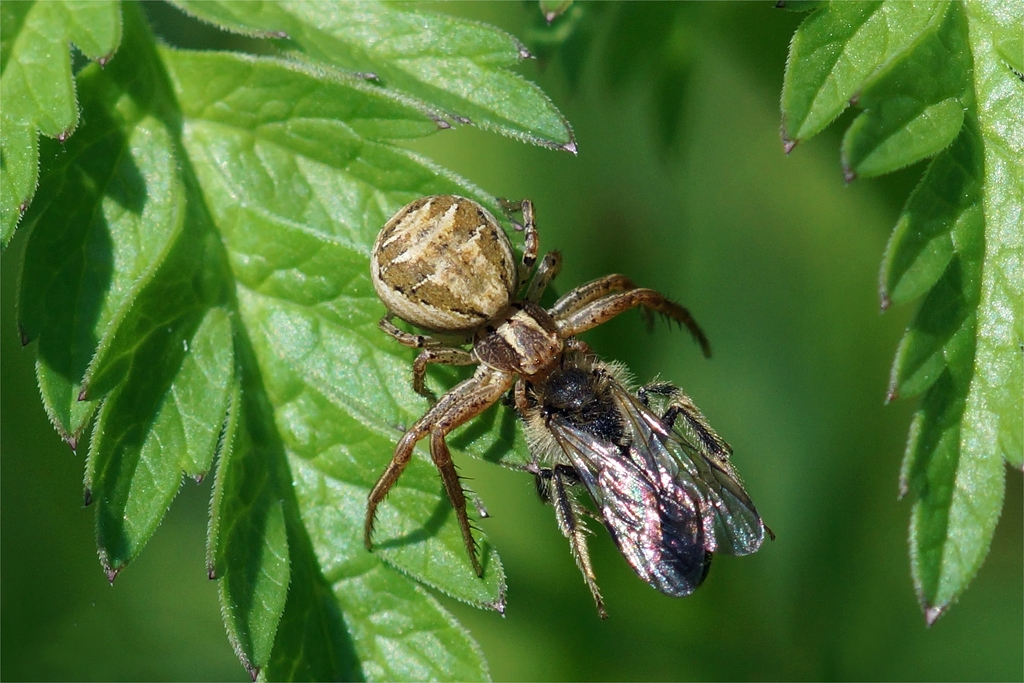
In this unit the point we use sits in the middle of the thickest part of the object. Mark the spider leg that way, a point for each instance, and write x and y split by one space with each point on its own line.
573 301
548 269
464 402
410 339
604 309
531 239
442 356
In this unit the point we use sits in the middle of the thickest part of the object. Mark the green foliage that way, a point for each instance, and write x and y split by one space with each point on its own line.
415 53
36 86
196 279
935 80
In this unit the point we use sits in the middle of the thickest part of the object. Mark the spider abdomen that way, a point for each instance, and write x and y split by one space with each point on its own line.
443 263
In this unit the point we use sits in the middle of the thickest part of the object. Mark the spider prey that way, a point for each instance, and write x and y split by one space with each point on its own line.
443 264
662 481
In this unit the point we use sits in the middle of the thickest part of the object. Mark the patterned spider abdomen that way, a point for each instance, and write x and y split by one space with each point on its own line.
443 263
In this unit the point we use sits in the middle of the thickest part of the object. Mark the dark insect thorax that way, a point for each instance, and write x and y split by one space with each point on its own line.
578 397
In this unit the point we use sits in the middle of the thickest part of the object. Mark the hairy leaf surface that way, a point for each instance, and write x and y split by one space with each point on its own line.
37 88
934 82
458 68
196 282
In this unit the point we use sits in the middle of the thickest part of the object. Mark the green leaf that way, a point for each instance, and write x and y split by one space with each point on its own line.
458 68
248 544
404 633
197 269
835 52
111 208
552 9
165 419
37 87
909 114
933 80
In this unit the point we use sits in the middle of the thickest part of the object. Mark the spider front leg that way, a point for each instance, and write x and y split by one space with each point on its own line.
548 269
531 239
586 293
603 309
467 400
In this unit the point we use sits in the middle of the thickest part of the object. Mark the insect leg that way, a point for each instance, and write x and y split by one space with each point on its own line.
567 512
604 309
696 426
443 356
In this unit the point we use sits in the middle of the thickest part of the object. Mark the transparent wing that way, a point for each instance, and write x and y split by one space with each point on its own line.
655 522
692 457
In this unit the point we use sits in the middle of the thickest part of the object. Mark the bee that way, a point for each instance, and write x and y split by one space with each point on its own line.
658 474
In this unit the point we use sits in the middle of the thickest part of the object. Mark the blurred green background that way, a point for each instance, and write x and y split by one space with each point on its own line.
681 183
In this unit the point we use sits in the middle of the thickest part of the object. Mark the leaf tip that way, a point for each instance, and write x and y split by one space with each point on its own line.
23 207
855 99
72 442
105 59
199 477
83 395
499 604
112 571
892 394
932 614
211 571
23 336
63 136
526 54
87 498
788 144
884 301
849 175
571 147
253 671
549 17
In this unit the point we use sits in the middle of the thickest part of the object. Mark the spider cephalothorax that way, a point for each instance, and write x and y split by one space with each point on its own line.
443 263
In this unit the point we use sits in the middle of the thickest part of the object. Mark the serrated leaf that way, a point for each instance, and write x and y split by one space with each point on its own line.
248 545
940 86
112 207
199 263
299 250
459 68
164 420
404 634
837 49
37 87
909 113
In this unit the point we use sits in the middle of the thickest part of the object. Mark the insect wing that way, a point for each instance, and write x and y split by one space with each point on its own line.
699 460
657 529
